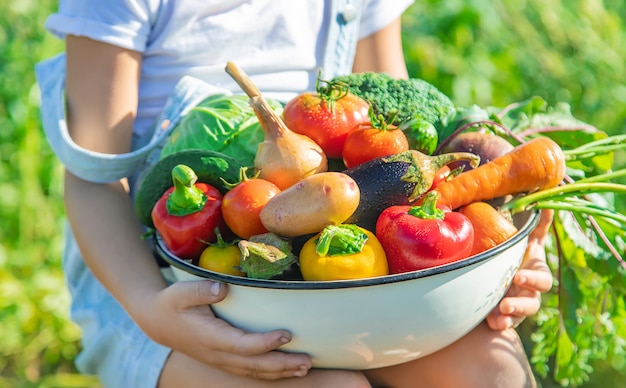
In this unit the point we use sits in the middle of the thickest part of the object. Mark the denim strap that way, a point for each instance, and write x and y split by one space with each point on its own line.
343 34
100 167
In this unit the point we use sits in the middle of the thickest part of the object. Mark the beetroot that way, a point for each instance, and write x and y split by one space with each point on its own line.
486 145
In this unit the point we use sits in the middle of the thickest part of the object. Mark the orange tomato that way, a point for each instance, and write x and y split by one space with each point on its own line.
368 142
242 204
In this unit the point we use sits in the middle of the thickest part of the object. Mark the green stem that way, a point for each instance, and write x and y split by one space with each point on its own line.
615 139
422 168
330 91
428 210
597 147
221 243
520 203
580 208
338 240
186 197
604 177
585 153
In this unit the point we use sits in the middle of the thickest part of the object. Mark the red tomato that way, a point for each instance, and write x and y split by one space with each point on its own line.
242 204
367 142
325 119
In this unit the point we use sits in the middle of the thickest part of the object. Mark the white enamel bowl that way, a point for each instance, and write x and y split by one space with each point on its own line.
371 323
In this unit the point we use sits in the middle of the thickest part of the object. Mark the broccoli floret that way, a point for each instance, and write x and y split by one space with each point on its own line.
412 98
419 107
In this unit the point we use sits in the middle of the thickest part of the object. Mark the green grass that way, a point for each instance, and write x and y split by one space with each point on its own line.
483 52
38 342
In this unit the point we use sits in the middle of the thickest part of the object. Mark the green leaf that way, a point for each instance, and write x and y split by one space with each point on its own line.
576 229
571 298
266 256
518 116
224 123
564 353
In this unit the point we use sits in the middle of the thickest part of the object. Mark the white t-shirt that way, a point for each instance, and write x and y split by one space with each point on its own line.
279 43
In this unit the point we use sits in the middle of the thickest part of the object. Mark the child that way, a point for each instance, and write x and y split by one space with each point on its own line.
123 59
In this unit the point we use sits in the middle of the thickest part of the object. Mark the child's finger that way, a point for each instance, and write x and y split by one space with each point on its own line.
512 311
535 251
215 342
253 355
502 322
498 321
520 306
541 231
270 366
185 295
535 280
189 295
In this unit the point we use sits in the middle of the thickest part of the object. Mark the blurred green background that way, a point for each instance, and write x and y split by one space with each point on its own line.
478 52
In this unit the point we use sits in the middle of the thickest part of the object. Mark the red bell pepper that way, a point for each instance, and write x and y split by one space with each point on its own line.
424 236
188 213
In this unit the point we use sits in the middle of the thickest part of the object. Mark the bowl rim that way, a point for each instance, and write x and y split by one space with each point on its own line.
186 266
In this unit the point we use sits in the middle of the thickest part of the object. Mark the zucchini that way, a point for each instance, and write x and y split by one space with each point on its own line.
212 167
396 180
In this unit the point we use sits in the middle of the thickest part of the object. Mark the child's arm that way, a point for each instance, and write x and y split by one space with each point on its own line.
101 86
382 52
534 277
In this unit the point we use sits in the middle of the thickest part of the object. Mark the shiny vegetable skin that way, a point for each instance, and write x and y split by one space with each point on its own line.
366 261
211 167
395 180
326 198
369 141
326 117
536 165
221 257
283 157
243 203
491 227
188 214
424 236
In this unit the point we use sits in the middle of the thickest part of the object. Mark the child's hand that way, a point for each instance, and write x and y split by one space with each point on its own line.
523 298
180 317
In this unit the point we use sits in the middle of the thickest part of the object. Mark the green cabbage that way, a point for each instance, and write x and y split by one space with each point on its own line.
224 123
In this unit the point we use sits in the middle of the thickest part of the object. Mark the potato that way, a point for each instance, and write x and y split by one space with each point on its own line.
308 206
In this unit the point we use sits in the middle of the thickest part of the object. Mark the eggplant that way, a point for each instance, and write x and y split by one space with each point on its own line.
396 180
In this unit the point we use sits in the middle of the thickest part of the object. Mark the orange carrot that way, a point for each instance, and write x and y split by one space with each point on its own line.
491 227
532 166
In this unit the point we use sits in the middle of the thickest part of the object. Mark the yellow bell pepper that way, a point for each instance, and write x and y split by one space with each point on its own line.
343 252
